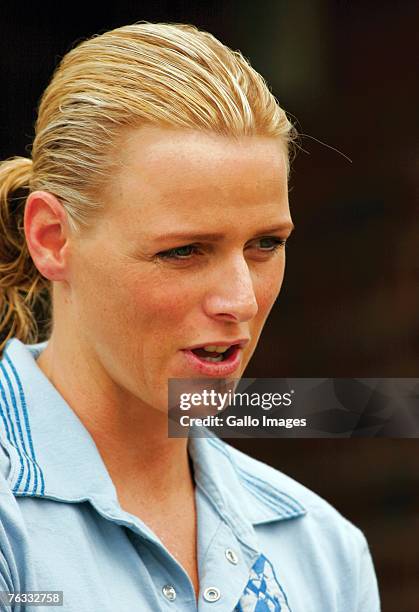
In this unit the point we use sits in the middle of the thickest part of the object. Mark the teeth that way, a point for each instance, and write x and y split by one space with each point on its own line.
215 349
219 358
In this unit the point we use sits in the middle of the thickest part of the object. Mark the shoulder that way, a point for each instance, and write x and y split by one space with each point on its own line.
10 527
16 567
10 516
334 551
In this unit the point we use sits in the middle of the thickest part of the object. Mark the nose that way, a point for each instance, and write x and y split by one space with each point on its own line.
232 294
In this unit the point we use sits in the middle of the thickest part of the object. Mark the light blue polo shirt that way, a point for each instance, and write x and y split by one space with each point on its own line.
265 542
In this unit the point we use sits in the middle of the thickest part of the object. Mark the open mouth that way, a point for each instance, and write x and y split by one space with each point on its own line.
216 360
215 354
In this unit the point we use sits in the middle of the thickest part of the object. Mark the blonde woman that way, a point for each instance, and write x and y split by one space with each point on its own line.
153 215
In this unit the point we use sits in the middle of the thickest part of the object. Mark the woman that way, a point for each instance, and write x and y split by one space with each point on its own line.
155 211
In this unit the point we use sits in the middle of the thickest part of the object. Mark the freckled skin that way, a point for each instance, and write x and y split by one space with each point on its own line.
136 311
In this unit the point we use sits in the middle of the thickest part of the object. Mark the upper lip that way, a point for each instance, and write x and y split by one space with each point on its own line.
240 341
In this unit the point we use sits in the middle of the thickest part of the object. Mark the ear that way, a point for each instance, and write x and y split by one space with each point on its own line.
47 232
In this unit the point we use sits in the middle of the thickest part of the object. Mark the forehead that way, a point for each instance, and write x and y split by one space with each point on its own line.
187 175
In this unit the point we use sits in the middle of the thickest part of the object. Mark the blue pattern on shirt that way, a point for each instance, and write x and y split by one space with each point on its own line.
263 593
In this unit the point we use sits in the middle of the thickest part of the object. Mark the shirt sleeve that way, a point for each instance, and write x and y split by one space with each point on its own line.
9 536
5 581
369 597
16 570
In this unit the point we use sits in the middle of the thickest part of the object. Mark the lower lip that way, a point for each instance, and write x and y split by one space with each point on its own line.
216 369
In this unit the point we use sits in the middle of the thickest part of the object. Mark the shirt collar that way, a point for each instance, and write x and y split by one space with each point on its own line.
53 455
51 452
241 497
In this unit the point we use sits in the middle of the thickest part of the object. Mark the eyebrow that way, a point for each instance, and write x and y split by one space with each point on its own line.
215 236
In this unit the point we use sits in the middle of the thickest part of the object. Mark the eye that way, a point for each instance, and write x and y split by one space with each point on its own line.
270 243
265 245
182 252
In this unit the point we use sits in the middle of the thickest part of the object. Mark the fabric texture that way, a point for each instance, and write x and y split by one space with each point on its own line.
265 542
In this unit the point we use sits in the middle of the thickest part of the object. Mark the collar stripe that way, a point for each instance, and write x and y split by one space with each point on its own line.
10 431
289 511
288 504
23 458
17 438
28 429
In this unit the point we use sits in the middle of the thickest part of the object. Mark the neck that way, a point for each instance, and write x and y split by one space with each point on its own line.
144 464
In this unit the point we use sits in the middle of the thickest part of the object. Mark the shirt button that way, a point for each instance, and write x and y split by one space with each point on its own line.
231 556
169 592
212 594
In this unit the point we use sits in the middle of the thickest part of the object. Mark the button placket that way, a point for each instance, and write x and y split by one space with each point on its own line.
169 592
231 556
217 571
211 594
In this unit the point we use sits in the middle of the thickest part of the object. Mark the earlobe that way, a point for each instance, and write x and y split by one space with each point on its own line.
46 230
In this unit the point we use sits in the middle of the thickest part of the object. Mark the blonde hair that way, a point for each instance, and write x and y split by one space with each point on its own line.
146 73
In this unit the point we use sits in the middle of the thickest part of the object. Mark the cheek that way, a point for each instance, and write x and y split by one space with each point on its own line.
161 311
267 286
105 298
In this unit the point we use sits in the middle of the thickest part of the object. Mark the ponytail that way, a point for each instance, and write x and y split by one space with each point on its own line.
24 293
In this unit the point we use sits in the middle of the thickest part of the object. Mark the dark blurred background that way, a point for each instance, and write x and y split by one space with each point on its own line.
345 72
